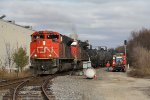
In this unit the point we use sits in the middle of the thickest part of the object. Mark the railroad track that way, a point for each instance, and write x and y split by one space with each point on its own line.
9 84
17 89
41 83
44 87
14 86
8 81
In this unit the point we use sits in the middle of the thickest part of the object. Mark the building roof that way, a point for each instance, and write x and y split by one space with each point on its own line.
13 23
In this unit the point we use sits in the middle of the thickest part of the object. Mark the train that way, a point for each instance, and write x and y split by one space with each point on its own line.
119 62
52 52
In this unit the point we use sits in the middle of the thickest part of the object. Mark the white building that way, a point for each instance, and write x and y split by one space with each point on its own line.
13 34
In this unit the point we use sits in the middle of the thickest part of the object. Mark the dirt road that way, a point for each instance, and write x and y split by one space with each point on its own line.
118 86
107 86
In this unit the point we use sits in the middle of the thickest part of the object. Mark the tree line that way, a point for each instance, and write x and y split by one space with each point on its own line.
139 53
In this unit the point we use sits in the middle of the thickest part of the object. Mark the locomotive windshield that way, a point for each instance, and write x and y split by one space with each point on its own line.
119 59
53 37
38 37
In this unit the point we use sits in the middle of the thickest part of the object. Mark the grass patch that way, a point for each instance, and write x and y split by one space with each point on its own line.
138 74
4 74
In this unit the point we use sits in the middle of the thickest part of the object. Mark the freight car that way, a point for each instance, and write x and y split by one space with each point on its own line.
99 56
52 52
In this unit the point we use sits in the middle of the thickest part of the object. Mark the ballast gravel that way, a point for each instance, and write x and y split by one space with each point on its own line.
74 88
107 86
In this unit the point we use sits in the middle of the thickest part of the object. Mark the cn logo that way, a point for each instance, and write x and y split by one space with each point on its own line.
42 49
45 49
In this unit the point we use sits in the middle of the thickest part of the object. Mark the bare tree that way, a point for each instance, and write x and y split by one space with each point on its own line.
139 53
120 49
8 59
5 62
0 63
138 39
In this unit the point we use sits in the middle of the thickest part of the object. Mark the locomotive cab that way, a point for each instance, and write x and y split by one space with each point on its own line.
119 62
45 36
44 45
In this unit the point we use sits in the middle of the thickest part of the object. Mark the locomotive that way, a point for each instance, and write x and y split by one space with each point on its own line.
52 52
119 62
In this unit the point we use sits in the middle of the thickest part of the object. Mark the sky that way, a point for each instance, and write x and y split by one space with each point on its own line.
102 22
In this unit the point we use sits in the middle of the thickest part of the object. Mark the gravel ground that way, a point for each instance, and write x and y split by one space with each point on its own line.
107 86
2 93
72 88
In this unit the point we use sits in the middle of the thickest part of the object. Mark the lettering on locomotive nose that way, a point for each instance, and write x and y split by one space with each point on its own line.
46 49
43 50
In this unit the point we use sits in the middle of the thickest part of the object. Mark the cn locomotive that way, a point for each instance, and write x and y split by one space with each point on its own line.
52 52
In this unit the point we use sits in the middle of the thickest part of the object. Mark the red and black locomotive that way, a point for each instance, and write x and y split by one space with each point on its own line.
51 52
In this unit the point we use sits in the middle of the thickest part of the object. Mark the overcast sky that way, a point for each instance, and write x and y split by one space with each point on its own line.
102 22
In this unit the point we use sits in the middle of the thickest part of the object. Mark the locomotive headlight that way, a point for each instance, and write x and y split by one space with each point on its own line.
44 42
35 55
50 55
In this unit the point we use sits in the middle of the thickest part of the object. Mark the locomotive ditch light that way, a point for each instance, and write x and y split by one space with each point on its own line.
50 55
35 55
114 57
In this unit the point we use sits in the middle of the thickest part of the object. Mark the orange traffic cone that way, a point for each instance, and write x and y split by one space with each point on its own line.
95 77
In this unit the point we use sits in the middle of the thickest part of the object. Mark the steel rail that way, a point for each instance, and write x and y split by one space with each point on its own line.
17 89
46 97
21 80
10 84
16 79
